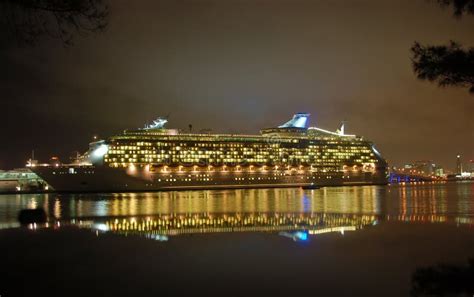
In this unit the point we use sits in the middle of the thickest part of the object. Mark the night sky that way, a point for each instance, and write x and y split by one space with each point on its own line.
238 66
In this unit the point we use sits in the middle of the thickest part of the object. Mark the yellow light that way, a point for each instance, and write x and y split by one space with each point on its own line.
132 168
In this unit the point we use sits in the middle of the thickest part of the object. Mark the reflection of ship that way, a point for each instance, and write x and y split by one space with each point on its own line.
155 158
297 226
159 227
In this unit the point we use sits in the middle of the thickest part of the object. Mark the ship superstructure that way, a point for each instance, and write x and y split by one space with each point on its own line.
156 158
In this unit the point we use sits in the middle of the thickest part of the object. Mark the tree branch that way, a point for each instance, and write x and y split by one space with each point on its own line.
449 65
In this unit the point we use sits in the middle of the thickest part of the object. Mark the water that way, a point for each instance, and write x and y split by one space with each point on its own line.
255 241
450 202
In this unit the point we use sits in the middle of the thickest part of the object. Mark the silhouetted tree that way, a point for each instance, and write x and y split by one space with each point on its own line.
460 7
448 65
29 20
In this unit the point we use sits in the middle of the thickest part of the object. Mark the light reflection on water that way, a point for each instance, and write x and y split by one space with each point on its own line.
266 209
334 200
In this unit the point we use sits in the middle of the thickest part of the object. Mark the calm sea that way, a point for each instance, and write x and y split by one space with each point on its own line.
332 241
445 202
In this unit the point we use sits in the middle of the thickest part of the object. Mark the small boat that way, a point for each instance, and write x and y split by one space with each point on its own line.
310 187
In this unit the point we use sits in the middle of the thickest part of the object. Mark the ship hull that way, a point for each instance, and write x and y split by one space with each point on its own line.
105 179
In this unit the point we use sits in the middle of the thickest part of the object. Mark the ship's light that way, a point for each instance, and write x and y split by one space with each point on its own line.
376 151
100 151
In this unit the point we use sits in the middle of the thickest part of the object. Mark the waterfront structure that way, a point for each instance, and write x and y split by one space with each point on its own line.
424 168
156 158
458 164
21 180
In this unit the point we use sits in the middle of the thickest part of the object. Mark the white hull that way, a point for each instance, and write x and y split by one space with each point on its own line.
105 179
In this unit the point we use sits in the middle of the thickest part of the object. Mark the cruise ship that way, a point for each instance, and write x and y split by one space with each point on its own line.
155 158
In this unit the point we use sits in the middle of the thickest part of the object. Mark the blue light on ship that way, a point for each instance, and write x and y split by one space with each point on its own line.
299 120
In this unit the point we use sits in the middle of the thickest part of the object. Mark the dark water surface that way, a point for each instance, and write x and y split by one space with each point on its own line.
331 241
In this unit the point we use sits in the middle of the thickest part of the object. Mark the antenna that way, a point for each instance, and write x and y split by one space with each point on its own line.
205 131
32 162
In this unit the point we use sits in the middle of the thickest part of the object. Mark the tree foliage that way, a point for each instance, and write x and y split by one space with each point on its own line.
448 65
444 280
29 20
460 7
